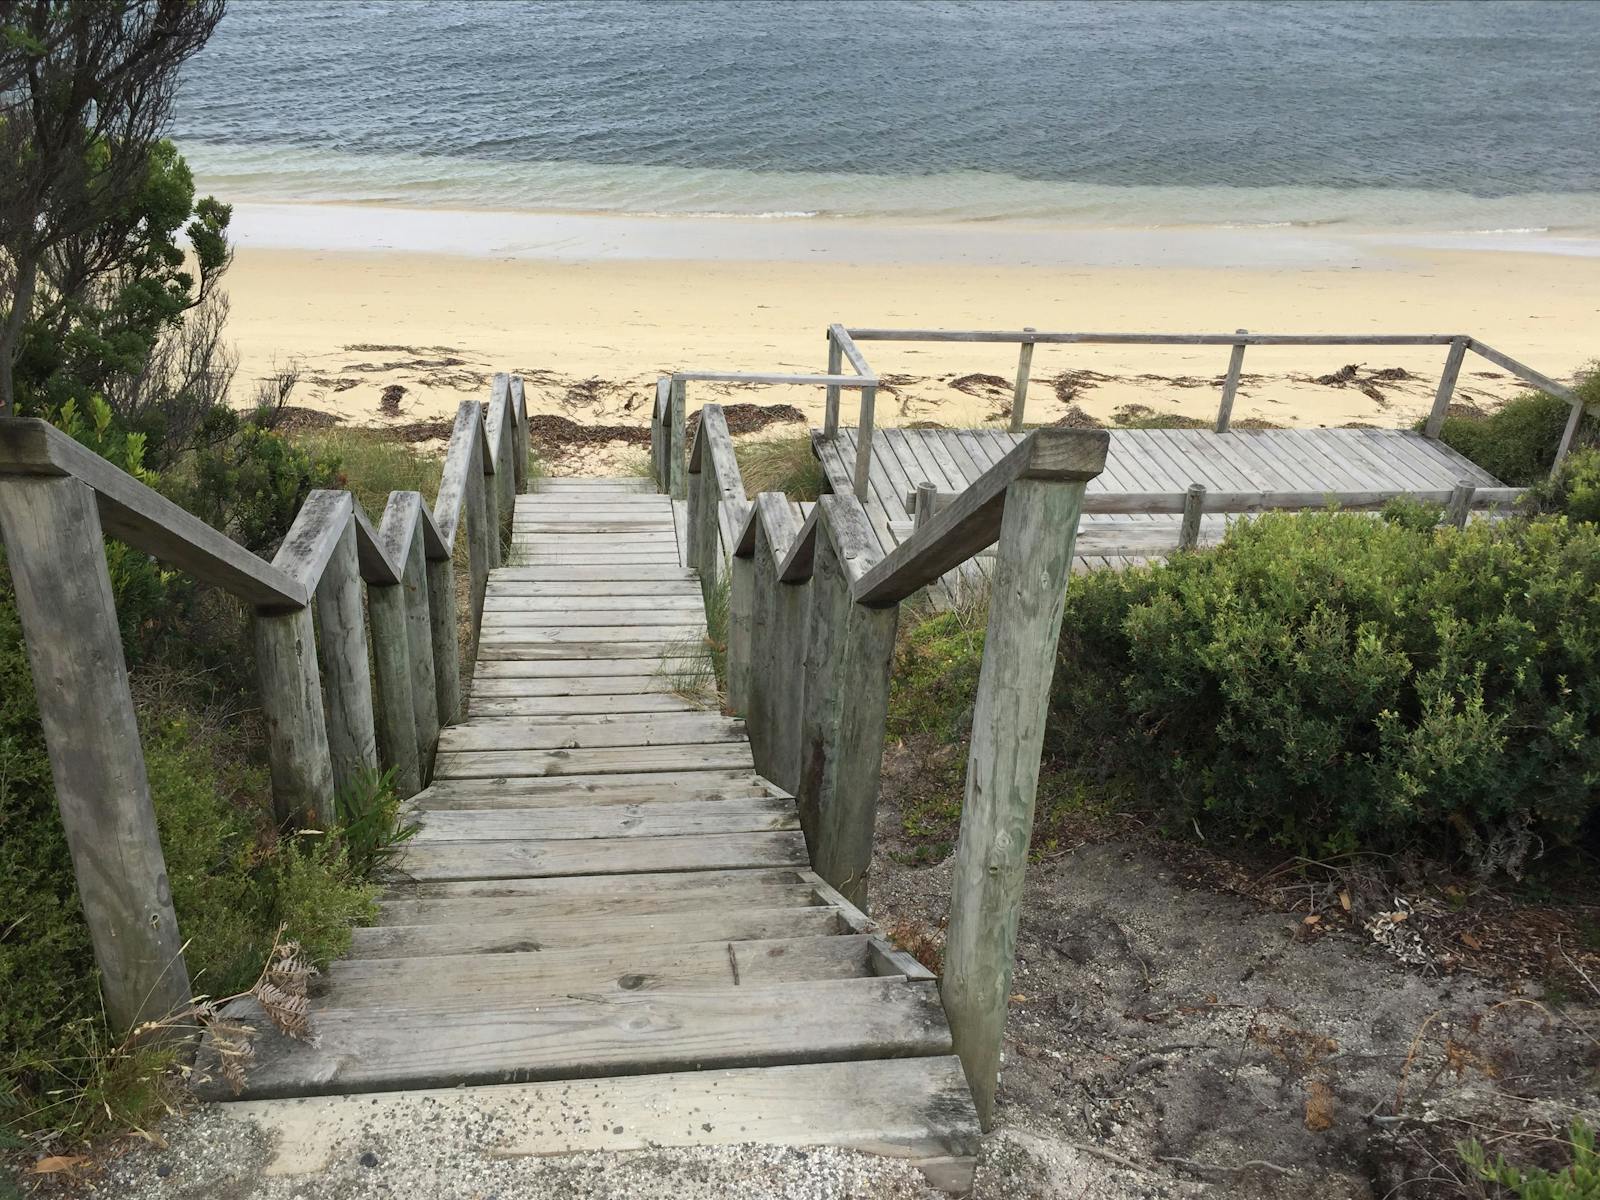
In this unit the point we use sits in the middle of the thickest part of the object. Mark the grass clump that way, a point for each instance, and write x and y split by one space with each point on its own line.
1578 1180
781 464
372 464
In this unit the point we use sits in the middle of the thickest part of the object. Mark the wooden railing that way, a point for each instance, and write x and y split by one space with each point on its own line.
1138 539
842 348
813 610
329 719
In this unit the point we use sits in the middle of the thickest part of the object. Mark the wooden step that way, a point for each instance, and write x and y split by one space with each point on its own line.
585 684
512 648
563 907
524 936
465 983
555 706
542 585
620 788
578 633
526 733
660 819
480 764
573 667
601 887
602 856
649 612
632 573
915 1109
370 1050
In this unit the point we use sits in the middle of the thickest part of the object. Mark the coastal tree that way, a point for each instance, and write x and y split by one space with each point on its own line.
90 188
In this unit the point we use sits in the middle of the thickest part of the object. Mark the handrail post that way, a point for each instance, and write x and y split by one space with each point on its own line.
697 498
1460 503
922 511
1568 432
444 627
519 434
480 538
1032 565
830 412
419 643
658 433
297 730
1230 386
342 652
677 451
1019 392
491 507
863 472
1194 501
1447 387
58 567
849 656
394 711
741 613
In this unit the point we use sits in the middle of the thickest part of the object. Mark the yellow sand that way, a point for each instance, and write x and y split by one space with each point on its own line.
622 323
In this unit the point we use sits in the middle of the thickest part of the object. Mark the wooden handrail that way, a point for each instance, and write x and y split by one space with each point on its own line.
1153 339
1252 502
327 718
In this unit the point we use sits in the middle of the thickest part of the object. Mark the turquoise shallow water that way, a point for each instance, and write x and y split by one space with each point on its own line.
1456 117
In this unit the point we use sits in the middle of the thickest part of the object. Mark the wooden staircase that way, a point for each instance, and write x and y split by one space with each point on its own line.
604 890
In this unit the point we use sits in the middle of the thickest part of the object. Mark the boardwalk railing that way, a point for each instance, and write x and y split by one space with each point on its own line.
813 610
842 348
329 718
1133 540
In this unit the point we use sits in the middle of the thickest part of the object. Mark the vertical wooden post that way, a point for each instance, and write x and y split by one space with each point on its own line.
676 420
830 412
479 538
696 496
58 566
342 652
922 511
519 435
658 434
862 478
491 507
1032 564
297 730
419 643
1194 501
391 668
849 653
1570 431
1447 387
506 478
741 612
1019 392
445 633
1455 512
1230 385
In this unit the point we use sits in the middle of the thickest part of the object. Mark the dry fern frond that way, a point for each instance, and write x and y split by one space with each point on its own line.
233 1040
283 988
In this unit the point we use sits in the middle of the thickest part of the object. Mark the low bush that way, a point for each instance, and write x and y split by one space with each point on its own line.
1575 490
1331 682
1517 443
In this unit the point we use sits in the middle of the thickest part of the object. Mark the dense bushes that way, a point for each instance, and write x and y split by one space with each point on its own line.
1517 442
1332 682
1575 490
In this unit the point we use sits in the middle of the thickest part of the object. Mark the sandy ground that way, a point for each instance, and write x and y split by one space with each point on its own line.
591 335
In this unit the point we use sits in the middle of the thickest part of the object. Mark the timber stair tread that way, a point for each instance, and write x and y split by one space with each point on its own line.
605 898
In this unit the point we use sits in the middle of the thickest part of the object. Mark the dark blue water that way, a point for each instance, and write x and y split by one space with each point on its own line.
1003 109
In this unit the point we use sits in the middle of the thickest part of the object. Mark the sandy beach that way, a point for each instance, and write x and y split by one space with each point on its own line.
590 310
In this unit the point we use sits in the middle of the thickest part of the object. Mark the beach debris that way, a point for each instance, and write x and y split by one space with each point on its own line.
1394 932
389 402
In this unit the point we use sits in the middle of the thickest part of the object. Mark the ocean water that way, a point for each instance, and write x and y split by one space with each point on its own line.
1456 117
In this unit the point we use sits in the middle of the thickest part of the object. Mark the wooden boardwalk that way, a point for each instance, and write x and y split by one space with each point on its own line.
1320 461
605 894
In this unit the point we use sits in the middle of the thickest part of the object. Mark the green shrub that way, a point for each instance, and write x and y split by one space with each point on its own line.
374 825
1331 682
1575 490
252 486
1517 443
1578 1181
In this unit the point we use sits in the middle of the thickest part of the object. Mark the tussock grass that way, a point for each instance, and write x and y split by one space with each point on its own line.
781 464
697 669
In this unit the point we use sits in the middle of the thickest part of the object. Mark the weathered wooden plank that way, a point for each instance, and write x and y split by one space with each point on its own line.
56 558
403 542
511 649
1031 568
520 936
394 712
480 763
910 1109
723 897
681 729
553 706
1154 339
621 787
602 856
547 635
378 1049
972 521
848 654
291 705
1230 385
653 611
342 653
146 520
659 818
577 889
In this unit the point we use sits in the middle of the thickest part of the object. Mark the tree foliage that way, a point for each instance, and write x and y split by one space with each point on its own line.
92 194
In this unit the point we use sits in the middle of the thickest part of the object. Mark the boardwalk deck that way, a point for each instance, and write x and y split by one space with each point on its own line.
1319 461
608 910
